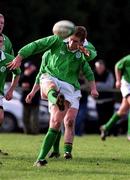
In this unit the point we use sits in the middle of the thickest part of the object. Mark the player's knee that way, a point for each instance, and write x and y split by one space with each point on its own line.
56 124
69 123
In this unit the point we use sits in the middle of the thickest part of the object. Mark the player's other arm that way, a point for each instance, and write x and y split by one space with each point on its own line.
118 76
33 48
29 97
119 66
35 88
87 71
15 79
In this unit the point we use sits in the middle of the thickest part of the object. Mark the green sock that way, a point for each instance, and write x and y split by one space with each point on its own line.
111 121
47 143
67 147
128 124
51 96
57 143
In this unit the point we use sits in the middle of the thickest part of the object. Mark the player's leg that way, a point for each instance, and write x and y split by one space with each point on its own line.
55 123
56 147
49 89
1 121
128 131
69 123
116 116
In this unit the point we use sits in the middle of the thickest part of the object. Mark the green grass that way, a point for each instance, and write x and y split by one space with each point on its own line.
92 159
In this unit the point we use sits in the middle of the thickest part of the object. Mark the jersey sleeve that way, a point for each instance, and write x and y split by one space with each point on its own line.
39 46
87 71
120 64
92 51
8 46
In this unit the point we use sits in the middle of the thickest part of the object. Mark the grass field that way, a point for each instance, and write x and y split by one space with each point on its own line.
92 159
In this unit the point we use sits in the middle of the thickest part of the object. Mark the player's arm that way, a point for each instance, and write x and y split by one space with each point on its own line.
33 48
29 97
118 71
118 75
14 82
87 71
36 86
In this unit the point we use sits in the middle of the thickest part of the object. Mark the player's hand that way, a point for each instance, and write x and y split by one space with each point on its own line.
94 93
118 84
9 95
29 98
15 63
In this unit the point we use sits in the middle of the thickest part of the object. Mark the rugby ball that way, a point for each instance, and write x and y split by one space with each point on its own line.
64 28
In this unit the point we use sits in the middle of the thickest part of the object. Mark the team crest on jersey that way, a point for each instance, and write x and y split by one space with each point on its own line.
3 69
78 54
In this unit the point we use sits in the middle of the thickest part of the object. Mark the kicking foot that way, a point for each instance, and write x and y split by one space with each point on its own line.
3 153
60 102
54 154
68 155
40 163
103 133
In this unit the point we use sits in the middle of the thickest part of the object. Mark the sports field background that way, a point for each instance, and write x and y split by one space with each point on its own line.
92 159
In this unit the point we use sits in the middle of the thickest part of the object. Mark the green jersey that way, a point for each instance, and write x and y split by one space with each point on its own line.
7 47
124 66
59 61
4 70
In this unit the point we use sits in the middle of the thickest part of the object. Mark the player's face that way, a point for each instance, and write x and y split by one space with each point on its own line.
100 68
1 41
74 42
1 24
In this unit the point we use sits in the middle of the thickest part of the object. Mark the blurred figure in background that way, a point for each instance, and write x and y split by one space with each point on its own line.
104 82
31 111
7 45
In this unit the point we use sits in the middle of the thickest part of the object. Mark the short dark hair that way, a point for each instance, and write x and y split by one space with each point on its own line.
81 32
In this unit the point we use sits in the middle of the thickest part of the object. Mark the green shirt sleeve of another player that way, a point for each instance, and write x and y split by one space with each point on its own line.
8 46
4 71
124 66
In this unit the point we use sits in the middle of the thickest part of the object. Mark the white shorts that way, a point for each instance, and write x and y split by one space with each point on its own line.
69 92
125 88
1 100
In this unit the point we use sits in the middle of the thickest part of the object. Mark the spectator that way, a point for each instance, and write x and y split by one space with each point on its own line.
31 111
104 82
7 45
